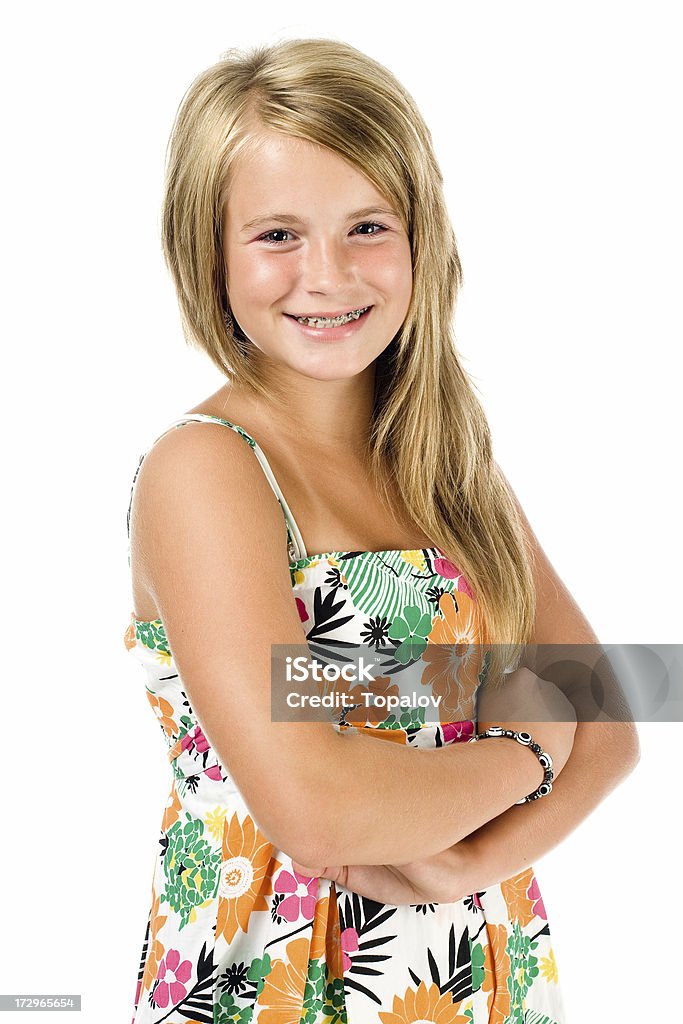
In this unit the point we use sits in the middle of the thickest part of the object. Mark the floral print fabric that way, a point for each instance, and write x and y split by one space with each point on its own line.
234 934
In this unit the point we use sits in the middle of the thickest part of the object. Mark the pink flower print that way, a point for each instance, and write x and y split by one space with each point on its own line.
214 772
195 738
303 891
534 894
476 901
349 944
445 568
301 608
171 975
457 732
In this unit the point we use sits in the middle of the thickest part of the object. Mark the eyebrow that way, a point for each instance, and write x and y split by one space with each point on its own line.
292 218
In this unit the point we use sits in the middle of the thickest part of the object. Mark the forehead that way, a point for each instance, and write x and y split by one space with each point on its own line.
286 173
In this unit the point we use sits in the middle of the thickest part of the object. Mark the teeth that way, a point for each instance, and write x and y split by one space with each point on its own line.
337 321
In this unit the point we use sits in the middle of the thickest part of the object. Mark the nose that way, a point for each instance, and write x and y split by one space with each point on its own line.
326 267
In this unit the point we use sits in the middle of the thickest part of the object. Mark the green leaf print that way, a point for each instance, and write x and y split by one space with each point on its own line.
152 635
323 995
314 992
259 968
192 868
412 629
334 1006
227 1009
523 969
477 958
533 1017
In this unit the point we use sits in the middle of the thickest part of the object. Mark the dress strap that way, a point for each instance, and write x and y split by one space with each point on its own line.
295 543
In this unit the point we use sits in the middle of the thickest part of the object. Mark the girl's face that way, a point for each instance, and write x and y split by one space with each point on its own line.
305 234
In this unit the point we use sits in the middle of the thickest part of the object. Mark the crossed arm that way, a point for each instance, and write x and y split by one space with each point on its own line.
603 754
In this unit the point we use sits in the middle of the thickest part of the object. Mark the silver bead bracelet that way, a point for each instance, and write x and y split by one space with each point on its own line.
526 740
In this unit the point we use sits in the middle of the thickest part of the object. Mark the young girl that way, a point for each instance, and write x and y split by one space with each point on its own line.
339 489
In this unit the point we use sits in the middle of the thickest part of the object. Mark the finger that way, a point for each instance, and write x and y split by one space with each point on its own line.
310 872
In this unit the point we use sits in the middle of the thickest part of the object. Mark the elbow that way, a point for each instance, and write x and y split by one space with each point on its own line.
633 756
309 852
631 745
316 841
625 748
301 829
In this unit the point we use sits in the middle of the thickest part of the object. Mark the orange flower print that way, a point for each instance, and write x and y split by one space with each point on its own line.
453 657
325 937
496 972
129 636
246 875
282 996
156 949
367 715
424 1005
172 809
515 892
164 713
392 735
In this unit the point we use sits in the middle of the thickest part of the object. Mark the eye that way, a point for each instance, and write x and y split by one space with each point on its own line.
371 224
275 241
270 240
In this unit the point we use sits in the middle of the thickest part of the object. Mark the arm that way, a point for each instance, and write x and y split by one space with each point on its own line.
204 546
603 754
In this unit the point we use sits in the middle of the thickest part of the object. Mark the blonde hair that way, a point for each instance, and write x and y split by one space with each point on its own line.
428 430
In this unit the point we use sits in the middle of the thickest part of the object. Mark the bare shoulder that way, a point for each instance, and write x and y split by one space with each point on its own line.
211 538
201 501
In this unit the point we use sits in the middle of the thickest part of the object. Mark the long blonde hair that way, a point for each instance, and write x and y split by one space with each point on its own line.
428 431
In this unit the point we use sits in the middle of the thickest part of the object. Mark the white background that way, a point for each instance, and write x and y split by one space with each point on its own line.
557 129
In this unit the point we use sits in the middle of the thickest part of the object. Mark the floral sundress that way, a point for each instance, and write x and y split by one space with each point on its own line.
234 934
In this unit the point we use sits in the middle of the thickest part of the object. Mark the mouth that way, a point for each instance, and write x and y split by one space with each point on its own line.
322 320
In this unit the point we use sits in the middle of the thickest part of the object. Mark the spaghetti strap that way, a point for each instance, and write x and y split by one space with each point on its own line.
295 544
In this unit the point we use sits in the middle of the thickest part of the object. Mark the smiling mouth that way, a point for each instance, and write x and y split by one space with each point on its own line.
334 321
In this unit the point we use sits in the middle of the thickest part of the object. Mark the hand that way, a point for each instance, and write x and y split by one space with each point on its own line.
444 878
381 882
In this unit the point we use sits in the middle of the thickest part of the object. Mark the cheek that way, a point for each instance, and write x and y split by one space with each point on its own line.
257 277
393 274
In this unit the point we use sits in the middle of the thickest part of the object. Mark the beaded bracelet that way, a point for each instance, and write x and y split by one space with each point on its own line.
526 740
